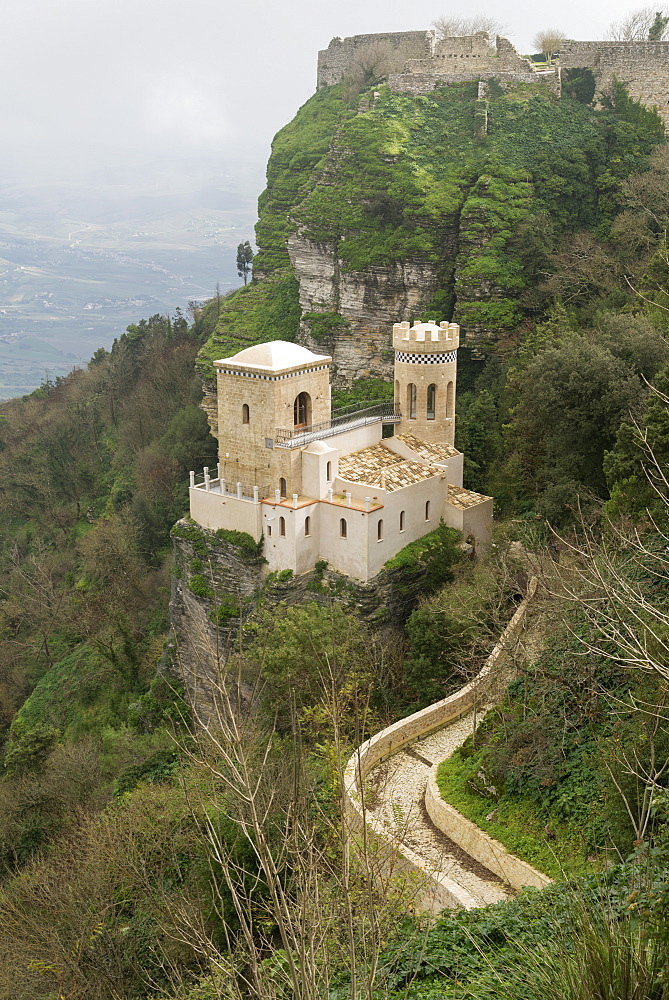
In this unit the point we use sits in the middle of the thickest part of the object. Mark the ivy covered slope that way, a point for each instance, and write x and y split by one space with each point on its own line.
477 193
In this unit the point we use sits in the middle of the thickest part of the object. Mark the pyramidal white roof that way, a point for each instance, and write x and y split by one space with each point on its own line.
274 356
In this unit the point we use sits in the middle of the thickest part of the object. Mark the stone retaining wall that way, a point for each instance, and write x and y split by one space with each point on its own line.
478 844
435 887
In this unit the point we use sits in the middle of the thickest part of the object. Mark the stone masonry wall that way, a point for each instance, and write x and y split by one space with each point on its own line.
335 61
419 63
642 66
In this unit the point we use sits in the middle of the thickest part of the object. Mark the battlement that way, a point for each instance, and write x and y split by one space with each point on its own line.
425 338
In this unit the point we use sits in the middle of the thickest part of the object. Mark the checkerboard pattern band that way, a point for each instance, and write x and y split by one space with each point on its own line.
427 359
271 378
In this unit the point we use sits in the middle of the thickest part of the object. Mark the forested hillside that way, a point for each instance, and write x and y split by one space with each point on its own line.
145 856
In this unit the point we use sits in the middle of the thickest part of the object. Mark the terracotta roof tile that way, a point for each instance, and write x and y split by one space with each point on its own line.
462 499
378 466
428 452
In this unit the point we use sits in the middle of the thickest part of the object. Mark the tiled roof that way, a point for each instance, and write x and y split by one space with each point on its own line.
461 498
428 452
378 466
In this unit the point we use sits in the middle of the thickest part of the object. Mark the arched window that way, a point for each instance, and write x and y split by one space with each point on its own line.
343 527
411 400
402 520
245 413
427 510
449 399
307 526
283 488
379 531
431 400
302 410
282 526
328 472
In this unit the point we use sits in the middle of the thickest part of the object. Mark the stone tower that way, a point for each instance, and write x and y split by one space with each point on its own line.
272 387
425 372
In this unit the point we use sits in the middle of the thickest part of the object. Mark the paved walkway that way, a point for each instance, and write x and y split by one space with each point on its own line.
396 798
396 787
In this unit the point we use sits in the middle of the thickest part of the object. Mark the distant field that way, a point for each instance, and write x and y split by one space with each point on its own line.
69 285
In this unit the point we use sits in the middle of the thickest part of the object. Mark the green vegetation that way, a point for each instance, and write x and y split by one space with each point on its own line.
149 857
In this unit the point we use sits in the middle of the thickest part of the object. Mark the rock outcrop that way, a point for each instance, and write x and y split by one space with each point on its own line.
368 301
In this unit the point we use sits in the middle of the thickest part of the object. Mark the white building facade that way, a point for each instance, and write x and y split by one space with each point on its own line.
323 486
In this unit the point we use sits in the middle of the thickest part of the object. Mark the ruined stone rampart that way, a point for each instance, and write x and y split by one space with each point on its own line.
336 62
642 66
418 63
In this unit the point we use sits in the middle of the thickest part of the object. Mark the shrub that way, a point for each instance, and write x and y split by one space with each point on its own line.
199 586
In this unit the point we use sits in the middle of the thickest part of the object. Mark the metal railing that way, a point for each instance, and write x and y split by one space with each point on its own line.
295 437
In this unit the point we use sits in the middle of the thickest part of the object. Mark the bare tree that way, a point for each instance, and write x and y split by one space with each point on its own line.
306 889
549 42
454 26
645 24
371 64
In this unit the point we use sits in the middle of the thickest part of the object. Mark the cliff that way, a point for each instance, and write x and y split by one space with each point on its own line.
386 205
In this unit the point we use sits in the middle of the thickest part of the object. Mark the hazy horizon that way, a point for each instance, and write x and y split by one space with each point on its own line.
158 117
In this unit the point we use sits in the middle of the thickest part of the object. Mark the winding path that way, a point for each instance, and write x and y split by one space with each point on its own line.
399 784
393 767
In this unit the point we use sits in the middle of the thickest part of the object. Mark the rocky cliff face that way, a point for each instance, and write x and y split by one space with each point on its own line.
368 301
384 206
217 587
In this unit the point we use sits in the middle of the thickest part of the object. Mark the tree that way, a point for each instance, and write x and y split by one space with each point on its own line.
453 26
549 42
244 259
645 24
371 64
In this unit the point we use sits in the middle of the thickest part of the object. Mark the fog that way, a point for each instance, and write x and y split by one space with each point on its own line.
143 91
135 136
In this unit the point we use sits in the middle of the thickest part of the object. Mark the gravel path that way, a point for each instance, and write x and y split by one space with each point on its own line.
397 790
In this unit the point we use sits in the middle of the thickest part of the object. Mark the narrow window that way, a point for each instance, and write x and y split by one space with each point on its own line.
379 531
449 400
245 413
301 408
282 526
411 400
431 400
427 510
307 526
328 472
397 393
269 530
401 520
343 528
283 488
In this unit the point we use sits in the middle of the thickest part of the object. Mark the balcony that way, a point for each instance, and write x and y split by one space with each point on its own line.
339 423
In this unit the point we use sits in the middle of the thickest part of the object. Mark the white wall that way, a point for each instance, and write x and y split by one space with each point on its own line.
314 471
412 501
213 510
295 550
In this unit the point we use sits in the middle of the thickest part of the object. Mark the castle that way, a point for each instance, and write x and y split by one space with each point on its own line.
418 63
322 486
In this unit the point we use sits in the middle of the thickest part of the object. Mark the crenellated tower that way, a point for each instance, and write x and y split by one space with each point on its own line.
425 374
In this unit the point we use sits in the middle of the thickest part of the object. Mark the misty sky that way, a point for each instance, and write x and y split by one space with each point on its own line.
93 86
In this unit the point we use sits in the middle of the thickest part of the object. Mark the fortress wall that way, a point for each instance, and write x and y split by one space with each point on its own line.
424 83
642 66
334 62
